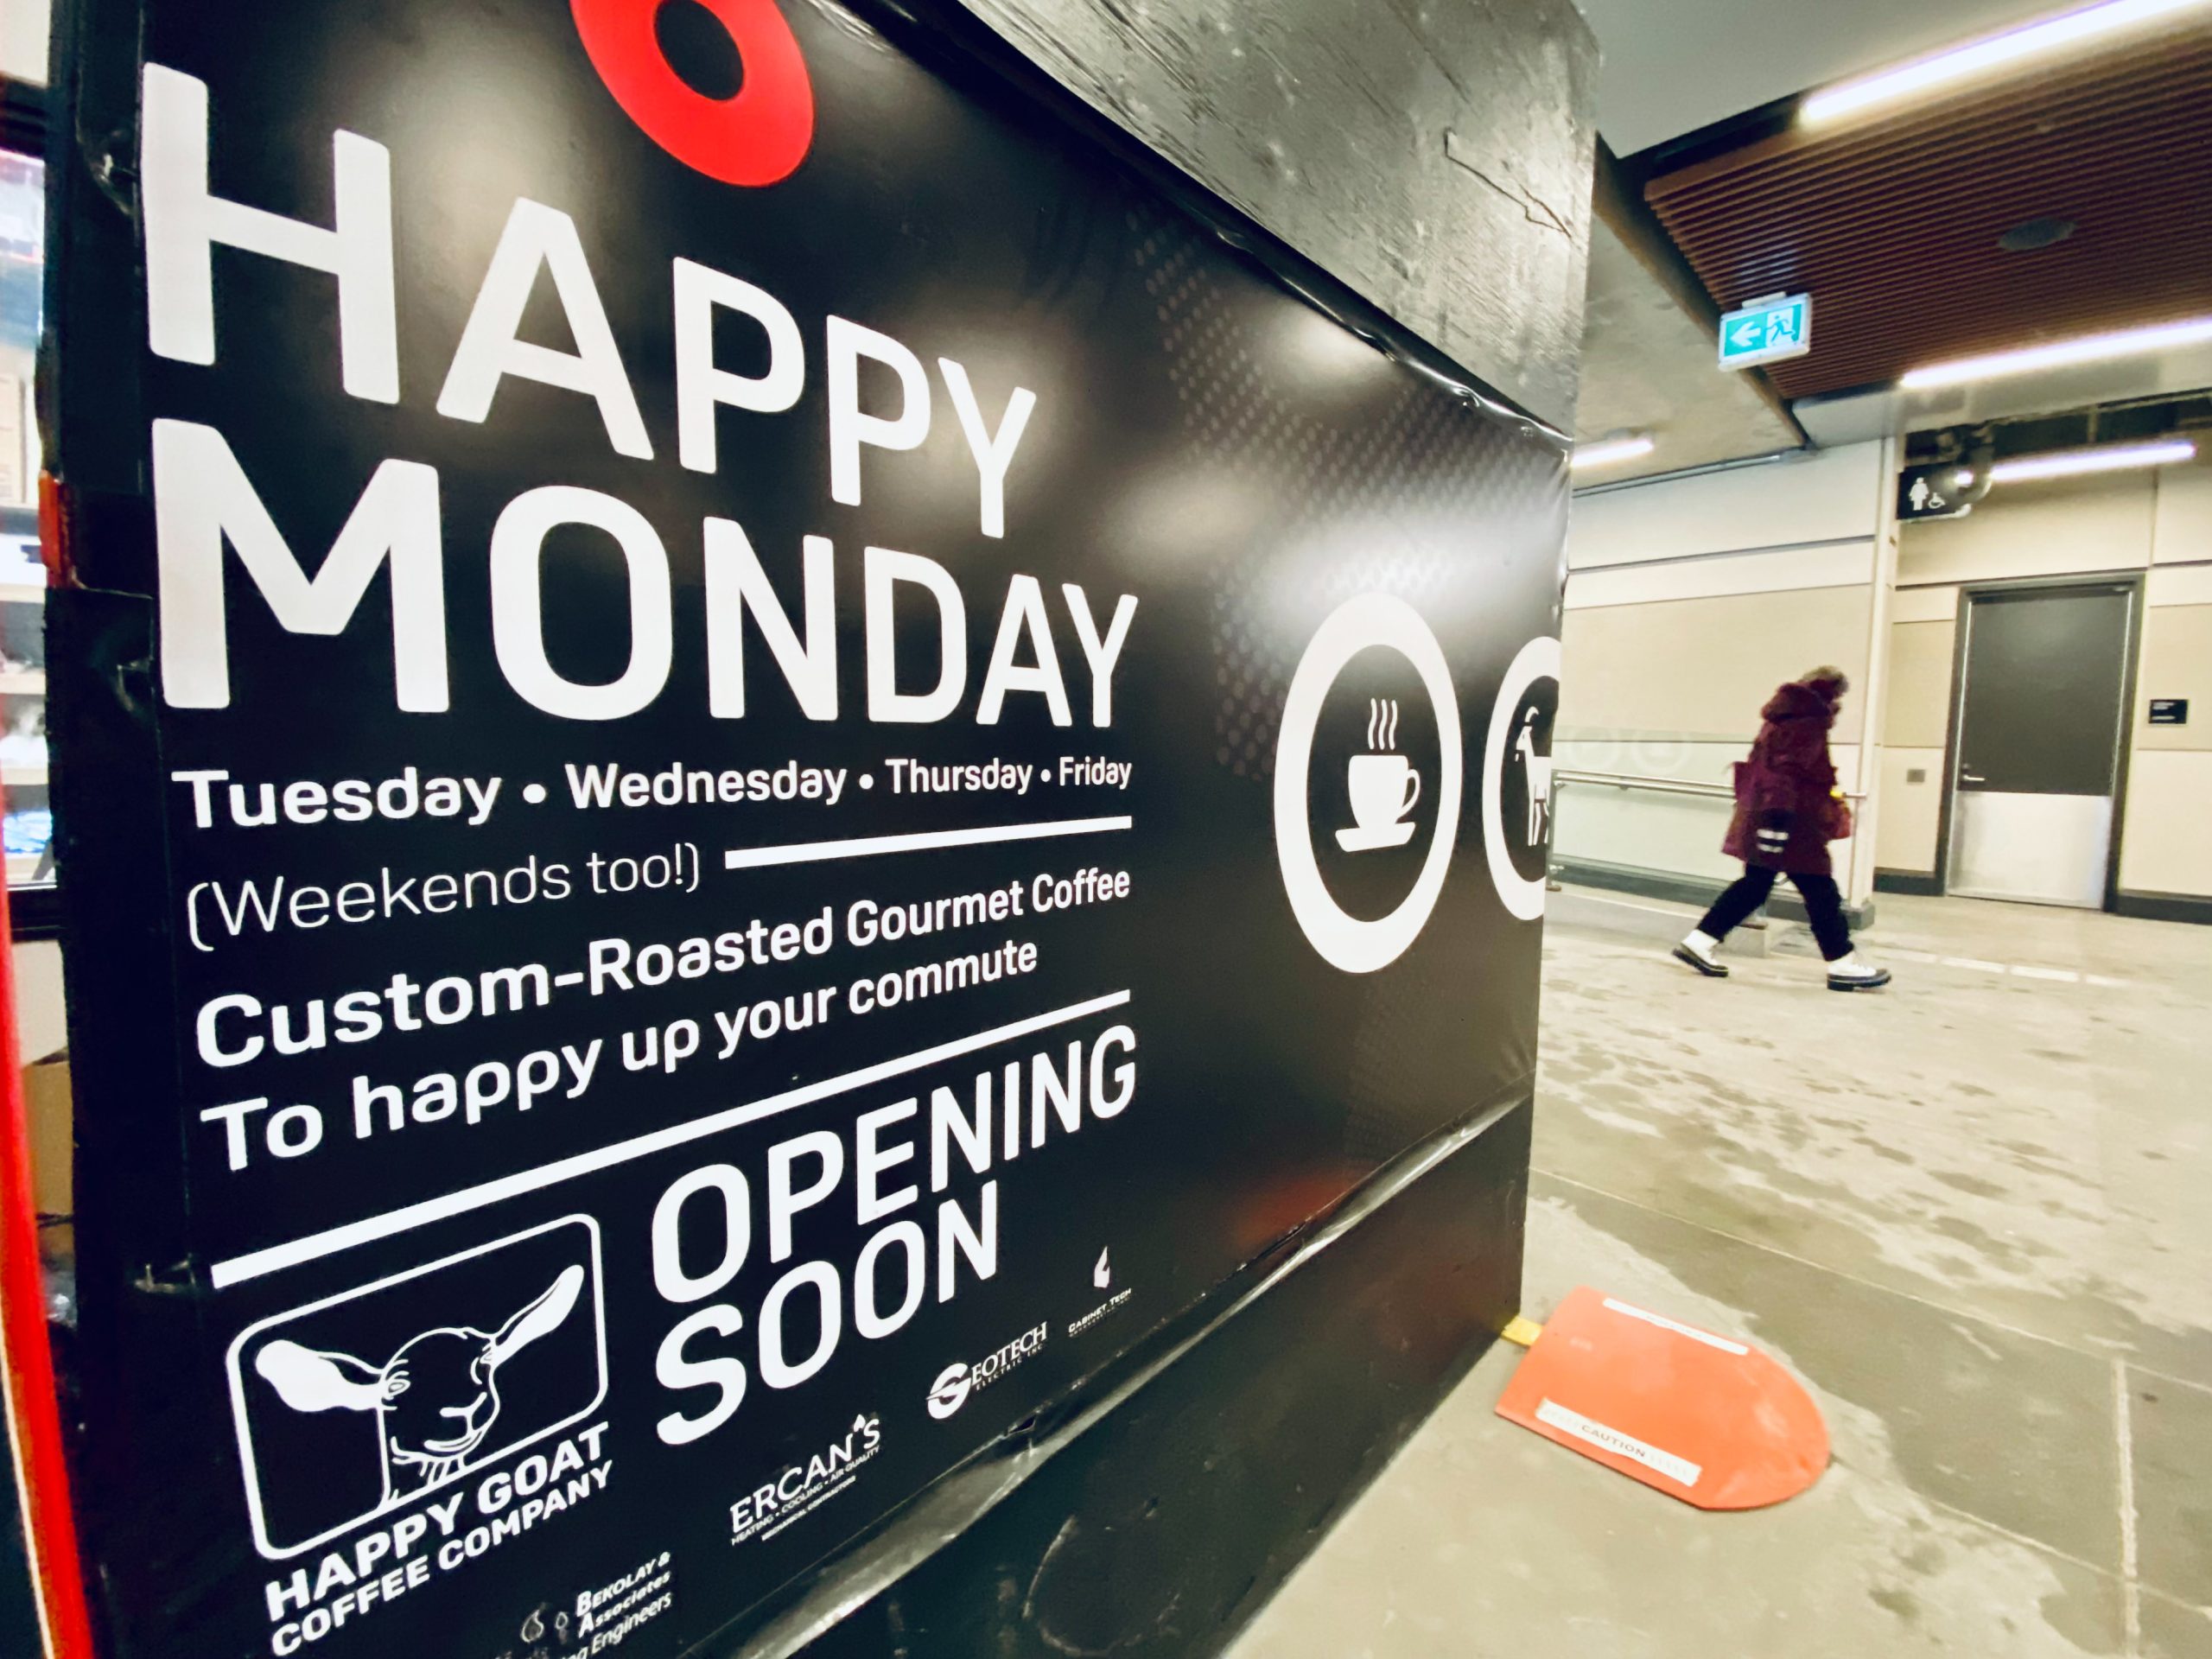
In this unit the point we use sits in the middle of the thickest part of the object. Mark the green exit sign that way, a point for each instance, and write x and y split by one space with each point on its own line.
1767 331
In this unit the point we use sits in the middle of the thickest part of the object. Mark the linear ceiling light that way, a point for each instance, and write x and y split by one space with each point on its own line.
1606 451
2060 354
2110 458
1987 56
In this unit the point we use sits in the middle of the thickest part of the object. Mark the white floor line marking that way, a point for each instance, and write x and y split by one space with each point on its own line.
1902 953
2124 1428
2062 976
254 1263
2024 970
812 852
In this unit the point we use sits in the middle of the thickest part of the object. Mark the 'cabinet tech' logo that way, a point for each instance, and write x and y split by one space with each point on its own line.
757 136
960 1379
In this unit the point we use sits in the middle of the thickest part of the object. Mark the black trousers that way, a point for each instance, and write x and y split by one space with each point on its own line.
1822 903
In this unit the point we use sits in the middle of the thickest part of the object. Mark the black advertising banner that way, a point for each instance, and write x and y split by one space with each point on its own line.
792 757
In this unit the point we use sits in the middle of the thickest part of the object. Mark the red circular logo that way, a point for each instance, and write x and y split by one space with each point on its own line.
758 138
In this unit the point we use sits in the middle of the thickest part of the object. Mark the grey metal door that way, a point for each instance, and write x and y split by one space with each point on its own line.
2042 704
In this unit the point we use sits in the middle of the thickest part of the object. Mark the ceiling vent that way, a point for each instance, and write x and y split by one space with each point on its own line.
2034 234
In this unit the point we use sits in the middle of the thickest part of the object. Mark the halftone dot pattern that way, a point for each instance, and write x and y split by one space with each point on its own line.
1436 488
1416 459
1381 1115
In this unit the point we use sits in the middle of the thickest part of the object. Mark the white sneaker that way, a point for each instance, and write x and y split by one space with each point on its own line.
1853 973
1696 950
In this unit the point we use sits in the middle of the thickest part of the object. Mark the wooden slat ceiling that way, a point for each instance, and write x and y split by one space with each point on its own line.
1892 225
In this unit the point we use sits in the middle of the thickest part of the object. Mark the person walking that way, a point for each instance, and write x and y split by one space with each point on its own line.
1788 809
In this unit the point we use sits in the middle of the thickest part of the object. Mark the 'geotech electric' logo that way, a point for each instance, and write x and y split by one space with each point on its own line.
961 1378
759 136
950 1392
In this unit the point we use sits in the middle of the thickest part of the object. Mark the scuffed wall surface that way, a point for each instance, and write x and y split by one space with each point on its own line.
1434 155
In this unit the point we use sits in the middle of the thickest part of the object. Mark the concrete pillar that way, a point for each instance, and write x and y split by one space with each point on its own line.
1434 154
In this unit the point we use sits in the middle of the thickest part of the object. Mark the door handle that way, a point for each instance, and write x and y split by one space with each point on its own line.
1970 778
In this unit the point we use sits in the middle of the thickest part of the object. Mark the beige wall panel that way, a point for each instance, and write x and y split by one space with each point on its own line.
1919 712
1702 668
1843 564
1828 495
1668 834
2036 529
1646 754
2182 528
2178 584
1657 755
1925 605
1905 833
2177 663
2164 846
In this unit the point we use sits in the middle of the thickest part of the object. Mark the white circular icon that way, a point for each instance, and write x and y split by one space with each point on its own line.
1523 896
1344 940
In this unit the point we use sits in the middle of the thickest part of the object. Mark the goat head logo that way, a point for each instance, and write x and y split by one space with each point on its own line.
435 1399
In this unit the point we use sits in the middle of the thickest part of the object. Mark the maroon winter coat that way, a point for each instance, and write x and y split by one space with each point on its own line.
1789 784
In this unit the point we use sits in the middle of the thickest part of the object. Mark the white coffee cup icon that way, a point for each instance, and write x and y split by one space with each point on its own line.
1383 789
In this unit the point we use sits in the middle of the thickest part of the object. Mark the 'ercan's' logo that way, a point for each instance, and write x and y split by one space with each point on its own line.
757 136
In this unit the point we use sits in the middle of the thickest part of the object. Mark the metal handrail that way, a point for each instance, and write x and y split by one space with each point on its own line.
1627 780
1660 786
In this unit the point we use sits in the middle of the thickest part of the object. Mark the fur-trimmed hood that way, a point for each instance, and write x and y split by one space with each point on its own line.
1797 701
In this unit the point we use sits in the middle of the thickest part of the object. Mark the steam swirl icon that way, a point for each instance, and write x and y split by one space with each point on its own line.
1383 786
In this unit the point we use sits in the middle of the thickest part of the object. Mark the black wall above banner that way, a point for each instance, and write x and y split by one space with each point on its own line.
757 793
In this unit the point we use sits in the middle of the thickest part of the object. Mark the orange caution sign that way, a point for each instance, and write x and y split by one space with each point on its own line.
1703 1418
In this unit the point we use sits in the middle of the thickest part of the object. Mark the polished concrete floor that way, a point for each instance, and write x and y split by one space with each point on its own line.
1974 1213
